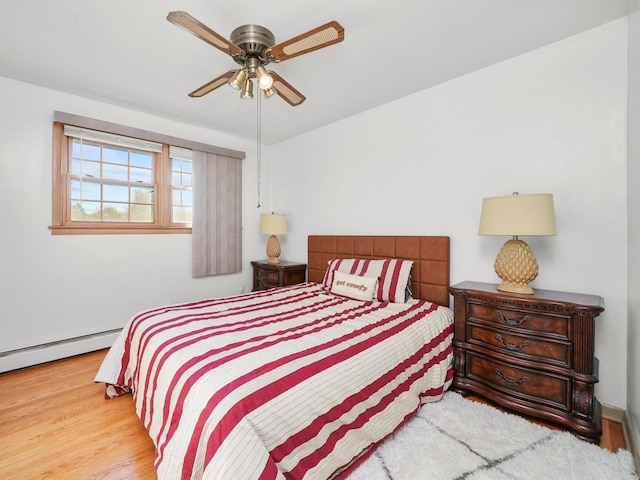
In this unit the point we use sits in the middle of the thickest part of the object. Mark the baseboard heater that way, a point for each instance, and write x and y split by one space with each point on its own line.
47 352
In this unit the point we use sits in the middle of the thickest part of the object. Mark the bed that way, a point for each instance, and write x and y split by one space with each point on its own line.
296 382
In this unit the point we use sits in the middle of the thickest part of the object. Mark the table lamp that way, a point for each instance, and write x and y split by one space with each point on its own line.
516 215
273 224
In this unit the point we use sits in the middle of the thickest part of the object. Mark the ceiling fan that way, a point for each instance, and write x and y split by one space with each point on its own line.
254 47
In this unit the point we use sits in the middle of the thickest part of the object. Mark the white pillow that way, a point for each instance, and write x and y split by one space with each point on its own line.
354 286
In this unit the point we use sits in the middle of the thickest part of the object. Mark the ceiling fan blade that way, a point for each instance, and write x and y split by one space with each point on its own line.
212 85
193 26
292 96
315 39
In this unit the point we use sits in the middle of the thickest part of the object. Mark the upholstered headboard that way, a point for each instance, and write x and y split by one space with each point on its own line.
430 255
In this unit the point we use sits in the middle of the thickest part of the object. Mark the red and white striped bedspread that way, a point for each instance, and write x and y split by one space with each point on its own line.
288 383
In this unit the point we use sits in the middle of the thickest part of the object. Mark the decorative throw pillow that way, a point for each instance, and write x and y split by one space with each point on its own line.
354 286
392 273
394 276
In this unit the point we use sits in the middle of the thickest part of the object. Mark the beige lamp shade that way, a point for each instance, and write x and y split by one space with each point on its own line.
273 224
515 215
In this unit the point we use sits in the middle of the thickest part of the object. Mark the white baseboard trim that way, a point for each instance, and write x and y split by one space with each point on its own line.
37 354
620 416
631 443
614 414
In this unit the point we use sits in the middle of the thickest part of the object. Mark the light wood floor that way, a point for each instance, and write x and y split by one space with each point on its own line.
56 424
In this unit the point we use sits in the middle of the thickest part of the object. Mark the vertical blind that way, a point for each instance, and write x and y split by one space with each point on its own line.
217 220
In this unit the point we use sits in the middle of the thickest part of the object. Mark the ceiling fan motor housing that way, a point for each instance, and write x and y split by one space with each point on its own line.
255 40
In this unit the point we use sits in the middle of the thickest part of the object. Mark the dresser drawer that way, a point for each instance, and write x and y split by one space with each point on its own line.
520 345
520 319
268 278
529 384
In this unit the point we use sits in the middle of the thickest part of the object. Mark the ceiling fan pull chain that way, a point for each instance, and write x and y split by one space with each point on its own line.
259 143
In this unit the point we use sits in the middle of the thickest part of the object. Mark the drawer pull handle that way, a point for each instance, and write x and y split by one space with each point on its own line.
508 321
509 381
512 347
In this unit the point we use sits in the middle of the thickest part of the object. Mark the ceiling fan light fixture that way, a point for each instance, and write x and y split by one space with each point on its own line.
247 89
269 92
237 80
265 81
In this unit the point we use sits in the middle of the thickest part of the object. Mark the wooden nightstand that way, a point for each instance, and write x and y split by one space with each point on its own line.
530 353
269 275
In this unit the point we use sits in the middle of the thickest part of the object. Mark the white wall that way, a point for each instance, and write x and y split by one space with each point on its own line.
553 120
633 380
60 287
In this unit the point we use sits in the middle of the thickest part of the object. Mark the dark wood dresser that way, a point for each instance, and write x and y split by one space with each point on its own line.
530 353
269 275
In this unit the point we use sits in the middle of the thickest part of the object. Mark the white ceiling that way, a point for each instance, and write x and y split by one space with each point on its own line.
126 53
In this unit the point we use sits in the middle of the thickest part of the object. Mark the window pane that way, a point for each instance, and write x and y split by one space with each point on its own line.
141 159
182 211
85 211
186 179
182 197
85 190
181 172
142 195
88 151
187 197
115 212
115 155
114 172
88 168
142 213
182 215
141 175
115 193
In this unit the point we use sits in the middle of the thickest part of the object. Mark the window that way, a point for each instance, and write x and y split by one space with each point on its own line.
181 184
111 178
116 184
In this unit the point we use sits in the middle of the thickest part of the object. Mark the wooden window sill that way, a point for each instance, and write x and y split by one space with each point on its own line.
121 230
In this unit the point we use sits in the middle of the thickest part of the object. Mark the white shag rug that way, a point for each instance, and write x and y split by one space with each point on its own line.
458 439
